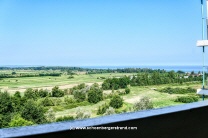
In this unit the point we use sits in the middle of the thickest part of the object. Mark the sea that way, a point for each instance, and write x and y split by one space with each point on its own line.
188 68
196 69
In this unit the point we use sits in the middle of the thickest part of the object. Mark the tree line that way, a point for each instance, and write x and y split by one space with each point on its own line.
145 79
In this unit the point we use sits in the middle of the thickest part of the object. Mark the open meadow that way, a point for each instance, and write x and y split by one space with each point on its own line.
58 95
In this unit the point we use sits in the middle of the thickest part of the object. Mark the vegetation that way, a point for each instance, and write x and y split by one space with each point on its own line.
187 99
177 90
36 99
143 104
116 101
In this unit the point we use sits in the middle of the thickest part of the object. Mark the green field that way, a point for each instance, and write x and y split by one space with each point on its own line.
22 83
64 82
159 99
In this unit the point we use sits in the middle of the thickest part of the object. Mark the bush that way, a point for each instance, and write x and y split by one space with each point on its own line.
178 90
56 92
116 102
110 111
80 95
187 99
47 102
64 118
143 104
102 109
70 100
127 90
81 114
31 94
17 120
95 94
43 93
50 115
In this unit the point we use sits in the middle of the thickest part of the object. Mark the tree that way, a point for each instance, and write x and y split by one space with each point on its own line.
95 94
33 112
116 101
17 101
5 103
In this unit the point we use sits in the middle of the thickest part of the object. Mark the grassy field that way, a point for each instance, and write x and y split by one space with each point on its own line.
47 82
159 99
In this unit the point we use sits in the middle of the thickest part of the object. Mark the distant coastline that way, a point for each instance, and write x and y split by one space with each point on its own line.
188 68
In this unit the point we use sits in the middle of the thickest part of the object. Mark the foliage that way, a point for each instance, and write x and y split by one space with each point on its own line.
64 118
81 114
47 102
177 90
143 104
56 92
127 90
80 95
4 120
50 115
116 101
77 104
110 111
33 112
70 100
187 99
17 120
43 93
102 109
31 94
5 103
17 101
116 83
95 94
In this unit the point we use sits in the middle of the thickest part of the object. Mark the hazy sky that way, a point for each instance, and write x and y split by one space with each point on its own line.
100 32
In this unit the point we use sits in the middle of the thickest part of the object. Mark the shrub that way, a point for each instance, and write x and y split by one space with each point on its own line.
95 94
116 101
187 99
70 100
30 94
56 92
143 104
64 118
127 90
43 93
17 120
80 95
102 109
178 90
47 102
110 111
50 115
81 114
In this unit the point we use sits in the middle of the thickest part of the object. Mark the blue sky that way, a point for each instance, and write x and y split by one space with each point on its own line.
100 32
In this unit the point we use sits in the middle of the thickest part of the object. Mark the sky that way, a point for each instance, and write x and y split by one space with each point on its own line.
100 32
